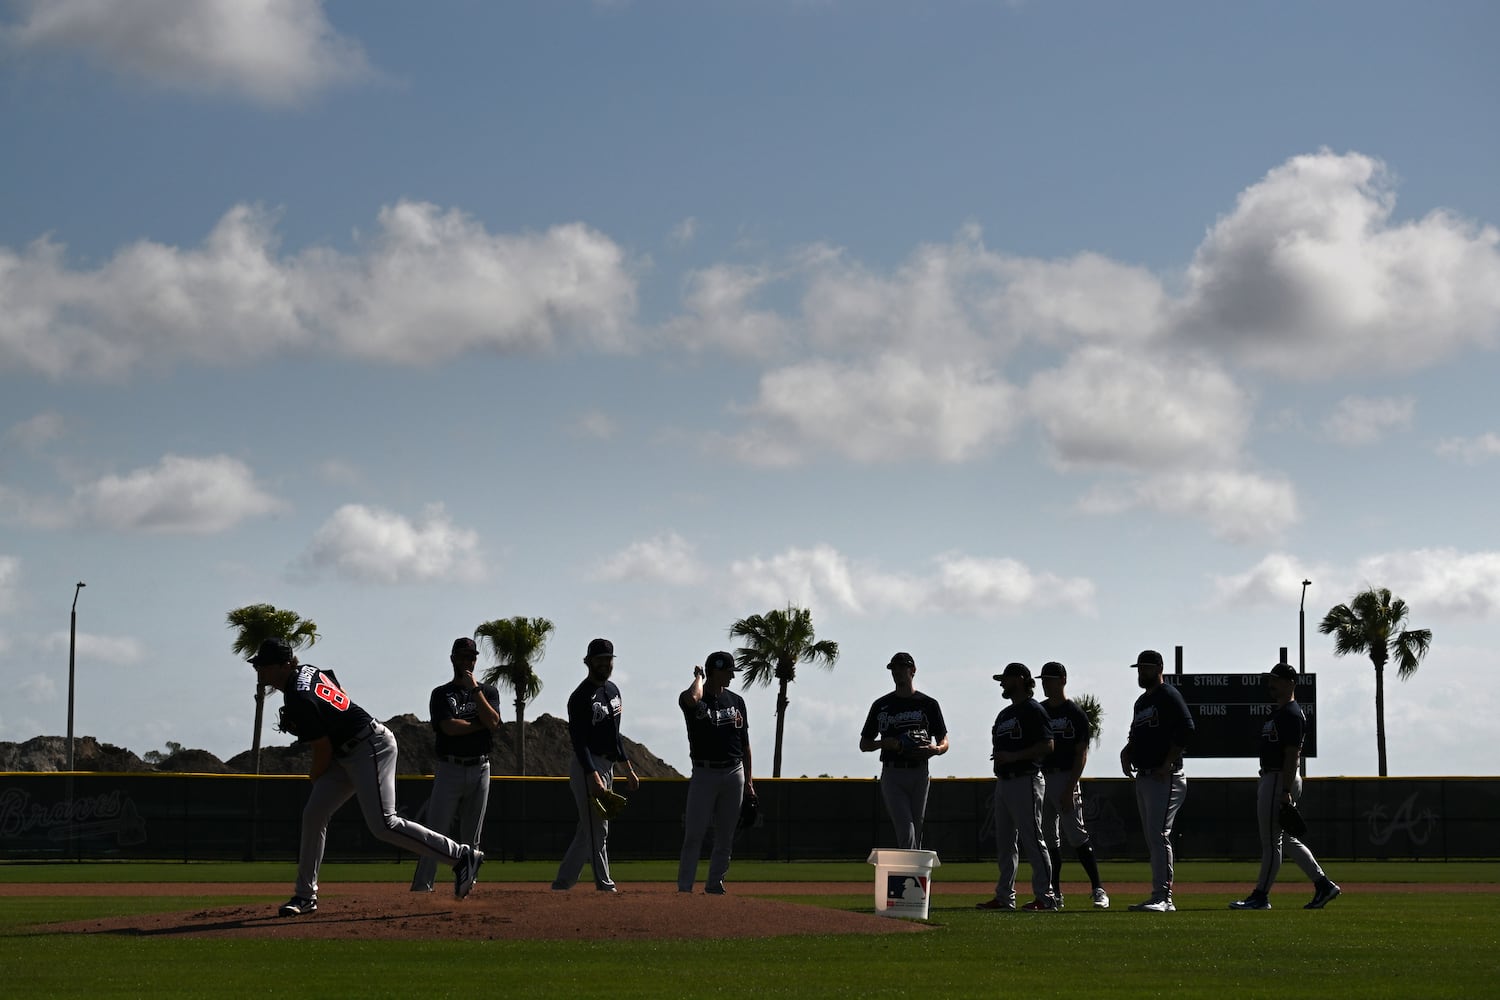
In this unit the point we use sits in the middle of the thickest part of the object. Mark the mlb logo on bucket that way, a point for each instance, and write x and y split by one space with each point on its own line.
905 889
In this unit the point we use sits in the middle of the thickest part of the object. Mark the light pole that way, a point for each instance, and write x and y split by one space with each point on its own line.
72 649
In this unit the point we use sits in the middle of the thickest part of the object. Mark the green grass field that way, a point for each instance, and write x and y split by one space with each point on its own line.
1371 943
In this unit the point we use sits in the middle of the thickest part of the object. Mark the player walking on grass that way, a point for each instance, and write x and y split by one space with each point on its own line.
1281 784
1021 737
464 716
718 731
594 711
1160 731
352 756
907 727
1062 811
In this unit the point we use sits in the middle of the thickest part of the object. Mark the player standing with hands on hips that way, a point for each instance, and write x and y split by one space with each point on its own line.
1281 784
352 755
1062 812
907 727
464 716
1160 731
594 710
718 730
1021 737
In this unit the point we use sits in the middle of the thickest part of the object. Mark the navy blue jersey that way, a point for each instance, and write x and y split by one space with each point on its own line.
1161 721
1019 725
1070 730
895 713
454 701
1286 727
594 724
319 707
717 727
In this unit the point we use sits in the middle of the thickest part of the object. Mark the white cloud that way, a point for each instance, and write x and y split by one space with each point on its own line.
120 651
957 584
10 579
377 546
1444 582
434 284
428 285
719 313
271 52
1106 406
37 689
1308 277
892 409
667 558
179 495
42 429
596 425
1274 581
1237 506
1360 420
1471 450
684 232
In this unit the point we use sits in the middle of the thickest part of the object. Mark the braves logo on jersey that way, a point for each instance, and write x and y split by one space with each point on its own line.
1062 729
728 716
602 710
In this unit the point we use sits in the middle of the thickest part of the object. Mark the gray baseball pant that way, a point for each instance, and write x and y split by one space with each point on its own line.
1273 840
369 772
713 797
1158 800
905 792
1062 816
1018 815
591 840
461 790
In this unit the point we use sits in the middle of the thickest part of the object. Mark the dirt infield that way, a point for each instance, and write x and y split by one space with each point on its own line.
531 911
494 912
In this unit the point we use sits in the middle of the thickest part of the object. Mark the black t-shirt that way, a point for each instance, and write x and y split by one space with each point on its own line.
594 723
453 701
319 707
717 727
1161 721
895 713
1070 730
1286 727
1019 725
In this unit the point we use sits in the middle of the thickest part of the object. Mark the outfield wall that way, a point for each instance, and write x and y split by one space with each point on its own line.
230 817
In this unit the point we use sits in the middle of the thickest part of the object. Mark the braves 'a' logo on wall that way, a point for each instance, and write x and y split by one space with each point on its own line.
1416 823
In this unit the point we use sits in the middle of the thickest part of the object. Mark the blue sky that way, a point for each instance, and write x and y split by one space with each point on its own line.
988 331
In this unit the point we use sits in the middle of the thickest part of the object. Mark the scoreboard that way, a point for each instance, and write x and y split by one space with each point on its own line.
1230 709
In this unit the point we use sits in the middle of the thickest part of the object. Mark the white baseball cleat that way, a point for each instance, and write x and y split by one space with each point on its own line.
466 872
1101 899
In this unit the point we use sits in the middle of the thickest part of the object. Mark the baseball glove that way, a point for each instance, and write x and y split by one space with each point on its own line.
608 804
287 723
914 739
1291 820
749 812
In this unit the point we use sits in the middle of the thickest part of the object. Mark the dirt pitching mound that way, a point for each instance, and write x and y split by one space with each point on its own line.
504 912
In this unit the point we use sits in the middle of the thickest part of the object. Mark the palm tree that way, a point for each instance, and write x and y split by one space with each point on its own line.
1094 712
518 645
1371 623
257 623
775 643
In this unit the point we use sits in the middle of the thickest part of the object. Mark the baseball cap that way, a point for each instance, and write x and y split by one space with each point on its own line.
903 660
272 651
1285 671
464 646
719 661
1015 670
601 647
1054 669
1149 658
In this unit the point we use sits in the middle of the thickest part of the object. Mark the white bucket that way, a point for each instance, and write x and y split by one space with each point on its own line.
903 881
